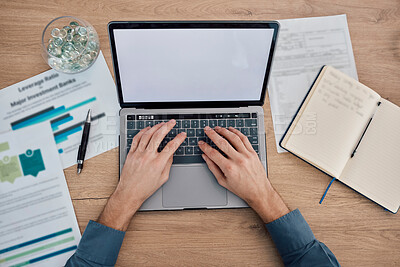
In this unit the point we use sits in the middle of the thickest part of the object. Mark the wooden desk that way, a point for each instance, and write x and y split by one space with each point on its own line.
359 232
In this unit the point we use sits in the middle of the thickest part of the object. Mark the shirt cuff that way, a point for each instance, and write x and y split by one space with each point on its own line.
100 244
290 232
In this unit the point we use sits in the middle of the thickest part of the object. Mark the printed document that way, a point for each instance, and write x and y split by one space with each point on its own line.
304 46
64 100
37 219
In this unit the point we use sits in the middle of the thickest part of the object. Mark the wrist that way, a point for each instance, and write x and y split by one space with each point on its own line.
269 205
118 211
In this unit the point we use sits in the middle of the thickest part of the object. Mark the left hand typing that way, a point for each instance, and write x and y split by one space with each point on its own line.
145 171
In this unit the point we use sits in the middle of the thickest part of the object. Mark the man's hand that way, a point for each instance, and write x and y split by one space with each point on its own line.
242 172
145 171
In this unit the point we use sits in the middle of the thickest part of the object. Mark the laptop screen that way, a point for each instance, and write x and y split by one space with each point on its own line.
192 65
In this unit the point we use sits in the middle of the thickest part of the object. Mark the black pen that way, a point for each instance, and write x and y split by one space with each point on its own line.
369 122
84 142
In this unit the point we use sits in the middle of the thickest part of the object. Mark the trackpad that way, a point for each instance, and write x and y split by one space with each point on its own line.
192 187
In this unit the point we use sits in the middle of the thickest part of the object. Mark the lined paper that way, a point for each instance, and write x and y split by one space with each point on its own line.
374 171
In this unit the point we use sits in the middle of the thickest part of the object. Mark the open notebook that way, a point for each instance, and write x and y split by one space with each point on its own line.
348 131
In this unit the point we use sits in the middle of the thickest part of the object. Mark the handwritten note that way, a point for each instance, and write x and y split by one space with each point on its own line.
339 92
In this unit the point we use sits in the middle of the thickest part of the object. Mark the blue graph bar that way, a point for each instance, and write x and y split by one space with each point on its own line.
64 136
40 118
50 114
55 125
44 257
60 140
35 240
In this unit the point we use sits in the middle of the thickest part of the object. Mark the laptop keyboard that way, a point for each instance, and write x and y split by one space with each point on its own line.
193 125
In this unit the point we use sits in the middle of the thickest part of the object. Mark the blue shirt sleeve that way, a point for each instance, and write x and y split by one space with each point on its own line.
297 244
99 246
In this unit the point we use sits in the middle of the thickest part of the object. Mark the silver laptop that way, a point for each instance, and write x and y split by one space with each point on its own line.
200 74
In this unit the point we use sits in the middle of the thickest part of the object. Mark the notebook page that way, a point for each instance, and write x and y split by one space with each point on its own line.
332 121
374 171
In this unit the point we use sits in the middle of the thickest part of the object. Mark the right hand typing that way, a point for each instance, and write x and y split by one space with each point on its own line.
242 172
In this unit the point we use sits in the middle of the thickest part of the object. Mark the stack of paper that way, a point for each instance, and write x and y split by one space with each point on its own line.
41 121
37 220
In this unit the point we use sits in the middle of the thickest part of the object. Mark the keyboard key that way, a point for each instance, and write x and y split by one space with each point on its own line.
245 131
192 141
253 131
157 122
222 123
185 142
204 139
230 123
149 123
181 131
188 159
200 132
197 150
195 124
178 124
139 124
188 150
129 142
130 125
251 123
240 123
179 151
190 133
255 147
213 123
254 115
172 133
244 115
186 124
253 140
130 117
203 123
131 133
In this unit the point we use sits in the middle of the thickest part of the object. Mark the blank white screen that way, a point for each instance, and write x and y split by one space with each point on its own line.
175 65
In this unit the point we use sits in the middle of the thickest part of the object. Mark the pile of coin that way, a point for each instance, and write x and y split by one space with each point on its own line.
72 48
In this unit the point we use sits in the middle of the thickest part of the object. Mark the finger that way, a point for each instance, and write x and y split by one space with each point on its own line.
219 175
214 155
221 143
136 139
160 134
244 138
173 145
167 169
233 138
144 141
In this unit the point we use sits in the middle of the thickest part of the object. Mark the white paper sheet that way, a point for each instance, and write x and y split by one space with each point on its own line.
304 46
64 100
37 219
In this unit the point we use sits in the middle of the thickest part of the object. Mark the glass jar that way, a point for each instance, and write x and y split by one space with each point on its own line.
69 44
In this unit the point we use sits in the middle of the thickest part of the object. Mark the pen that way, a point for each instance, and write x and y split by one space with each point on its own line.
369 122
84 142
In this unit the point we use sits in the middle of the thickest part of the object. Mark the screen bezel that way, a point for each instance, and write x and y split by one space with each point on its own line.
113 25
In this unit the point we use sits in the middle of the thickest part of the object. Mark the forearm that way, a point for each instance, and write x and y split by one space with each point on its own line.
269 205
119 210
291 234
99 246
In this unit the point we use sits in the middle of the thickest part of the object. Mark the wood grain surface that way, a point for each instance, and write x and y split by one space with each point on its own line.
359 232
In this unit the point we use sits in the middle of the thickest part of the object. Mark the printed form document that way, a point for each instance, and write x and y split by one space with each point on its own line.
64 100
37 220
304 46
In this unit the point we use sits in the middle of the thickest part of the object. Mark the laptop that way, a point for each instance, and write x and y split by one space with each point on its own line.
200 74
